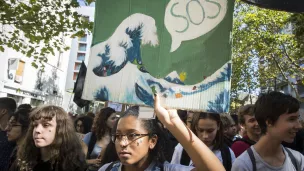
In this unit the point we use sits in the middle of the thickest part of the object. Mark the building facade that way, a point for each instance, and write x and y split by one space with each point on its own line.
80 51
26 84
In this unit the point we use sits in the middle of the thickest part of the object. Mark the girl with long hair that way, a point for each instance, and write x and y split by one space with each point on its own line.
208 128
51 143
99 138
16 129
140 143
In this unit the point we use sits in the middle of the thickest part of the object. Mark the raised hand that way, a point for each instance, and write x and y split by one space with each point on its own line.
166 116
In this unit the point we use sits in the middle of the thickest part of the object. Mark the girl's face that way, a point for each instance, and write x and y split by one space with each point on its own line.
79 126
206 131
132 141
14 130
111 120
44 132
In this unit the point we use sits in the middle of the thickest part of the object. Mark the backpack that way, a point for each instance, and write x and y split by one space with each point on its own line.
225 152
252 158
110 167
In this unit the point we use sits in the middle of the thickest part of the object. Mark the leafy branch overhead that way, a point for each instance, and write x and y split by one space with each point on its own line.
268 49
37 28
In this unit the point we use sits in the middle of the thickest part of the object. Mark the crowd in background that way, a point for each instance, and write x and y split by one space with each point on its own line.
266 135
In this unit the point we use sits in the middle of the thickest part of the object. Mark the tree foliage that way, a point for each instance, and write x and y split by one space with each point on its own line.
267 49
37 28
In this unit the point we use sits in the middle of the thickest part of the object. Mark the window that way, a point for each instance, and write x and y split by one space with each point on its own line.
36 102
19 72
75 75
77 66
80 56
83 39
82 47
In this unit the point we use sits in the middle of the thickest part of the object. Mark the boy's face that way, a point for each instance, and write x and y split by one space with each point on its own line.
230 131
286 127
251 125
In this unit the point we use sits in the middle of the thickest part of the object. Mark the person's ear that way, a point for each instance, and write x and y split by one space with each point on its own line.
3 111
153 141
269 123
242 126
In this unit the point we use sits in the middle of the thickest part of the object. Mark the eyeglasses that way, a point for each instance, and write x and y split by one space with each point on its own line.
10 126
130 137
79 125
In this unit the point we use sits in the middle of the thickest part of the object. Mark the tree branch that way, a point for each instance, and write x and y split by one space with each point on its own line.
289 58
286 79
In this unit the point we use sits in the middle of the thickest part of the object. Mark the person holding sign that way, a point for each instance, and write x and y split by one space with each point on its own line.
139 143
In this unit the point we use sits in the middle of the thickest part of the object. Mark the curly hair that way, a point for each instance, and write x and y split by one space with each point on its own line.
65 149
100 127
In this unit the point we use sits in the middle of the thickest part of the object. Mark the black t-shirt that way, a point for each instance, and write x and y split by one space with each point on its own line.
45 166
48 166
6 149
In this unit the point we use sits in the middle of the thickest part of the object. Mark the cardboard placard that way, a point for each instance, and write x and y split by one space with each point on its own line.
180 49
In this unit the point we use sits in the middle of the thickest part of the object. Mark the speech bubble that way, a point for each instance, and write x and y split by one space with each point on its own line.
190 19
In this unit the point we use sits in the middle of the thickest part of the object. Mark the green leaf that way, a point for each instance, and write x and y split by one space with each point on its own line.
34 65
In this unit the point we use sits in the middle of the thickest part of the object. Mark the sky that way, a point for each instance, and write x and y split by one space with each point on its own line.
82 3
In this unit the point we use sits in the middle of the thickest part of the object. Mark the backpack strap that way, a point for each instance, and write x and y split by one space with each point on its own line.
226 156
109 168
252 158
91 145
292 158
185 159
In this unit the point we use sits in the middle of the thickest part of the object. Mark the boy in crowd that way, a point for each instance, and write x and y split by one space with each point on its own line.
247 121
7 107
278 117
229 128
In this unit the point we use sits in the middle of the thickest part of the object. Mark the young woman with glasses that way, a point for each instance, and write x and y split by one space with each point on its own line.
140 143
16 130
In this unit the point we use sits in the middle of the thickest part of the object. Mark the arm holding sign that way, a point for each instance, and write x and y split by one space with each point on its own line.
202 157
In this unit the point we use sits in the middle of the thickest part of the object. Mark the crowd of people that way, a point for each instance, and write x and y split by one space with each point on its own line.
264 136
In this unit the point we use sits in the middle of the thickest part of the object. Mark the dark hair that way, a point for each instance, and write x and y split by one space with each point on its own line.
25 106
235 118
218 142
23 117
86 122
182 115
100 127
66 147
90 114
159 152
9 104
226 120
270 106
245 110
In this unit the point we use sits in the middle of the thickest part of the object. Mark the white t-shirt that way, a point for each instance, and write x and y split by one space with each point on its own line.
177 155
166 167
243 162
